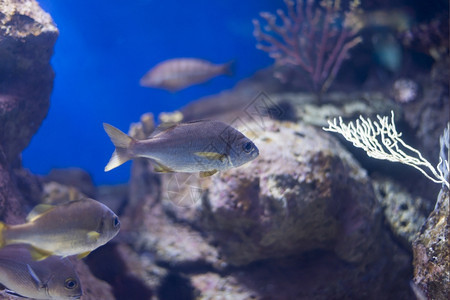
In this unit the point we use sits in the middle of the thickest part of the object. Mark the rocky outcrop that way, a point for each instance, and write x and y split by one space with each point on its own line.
405 213
303 209
303 193
26 46
27 36
432 251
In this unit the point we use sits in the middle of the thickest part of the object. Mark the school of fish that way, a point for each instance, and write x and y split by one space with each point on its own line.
33 255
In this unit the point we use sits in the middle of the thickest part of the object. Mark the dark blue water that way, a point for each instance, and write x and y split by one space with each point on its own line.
104 48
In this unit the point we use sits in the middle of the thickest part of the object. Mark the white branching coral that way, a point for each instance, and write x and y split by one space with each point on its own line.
382 141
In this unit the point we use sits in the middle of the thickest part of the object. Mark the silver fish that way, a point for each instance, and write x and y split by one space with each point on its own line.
53 278
179 73
73 228
200 146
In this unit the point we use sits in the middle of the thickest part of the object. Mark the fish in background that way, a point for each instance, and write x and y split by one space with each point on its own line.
53 278
74 228
200 146
179 73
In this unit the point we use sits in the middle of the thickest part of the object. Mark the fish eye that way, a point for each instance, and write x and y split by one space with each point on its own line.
116 221
247 147
70 283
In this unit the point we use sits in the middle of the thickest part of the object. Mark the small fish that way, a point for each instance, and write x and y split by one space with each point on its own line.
73 228
179 73
200 146
54 278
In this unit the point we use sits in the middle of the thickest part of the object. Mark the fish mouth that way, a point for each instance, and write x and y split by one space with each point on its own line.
255 154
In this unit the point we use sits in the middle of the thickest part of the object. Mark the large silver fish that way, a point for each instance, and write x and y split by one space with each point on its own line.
53 278
201 146
73 228
179 73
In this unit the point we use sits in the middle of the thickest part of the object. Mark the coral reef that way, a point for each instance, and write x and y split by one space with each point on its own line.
316 39
311 218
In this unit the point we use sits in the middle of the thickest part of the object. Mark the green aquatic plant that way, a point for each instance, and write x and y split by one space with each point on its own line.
316 38
382 141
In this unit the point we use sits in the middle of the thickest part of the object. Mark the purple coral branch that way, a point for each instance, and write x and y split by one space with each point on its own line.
307 38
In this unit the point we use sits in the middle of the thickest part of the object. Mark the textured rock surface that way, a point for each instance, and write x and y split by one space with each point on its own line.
75 177
404 212
432 251
302 214
27 35
119 266
304 192
26 45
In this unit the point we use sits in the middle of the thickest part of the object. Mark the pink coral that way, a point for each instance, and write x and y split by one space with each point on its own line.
314 38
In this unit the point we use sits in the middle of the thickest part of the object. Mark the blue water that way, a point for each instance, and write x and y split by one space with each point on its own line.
104 48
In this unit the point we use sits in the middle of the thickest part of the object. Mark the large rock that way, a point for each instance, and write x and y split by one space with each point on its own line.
303 209
404 212
432 251
304 192
27 36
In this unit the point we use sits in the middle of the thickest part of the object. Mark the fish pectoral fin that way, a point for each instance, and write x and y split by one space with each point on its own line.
39 254
12 293
93 236
38 211
160 168
36 279
212 155
3 227
83 255
207 173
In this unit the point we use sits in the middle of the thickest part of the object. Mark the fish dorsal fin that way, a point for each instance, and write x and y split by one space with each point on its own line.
39 254
12 293
38 211
198 121
164 127
36 279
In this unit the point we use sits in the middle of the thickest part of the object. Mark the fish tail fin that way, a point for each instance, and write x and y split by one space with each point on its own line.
3 227
229 68
122 142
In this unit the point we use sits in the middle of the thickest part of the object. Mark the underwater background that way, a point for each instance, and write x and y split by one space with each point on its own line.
105 47
278 149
